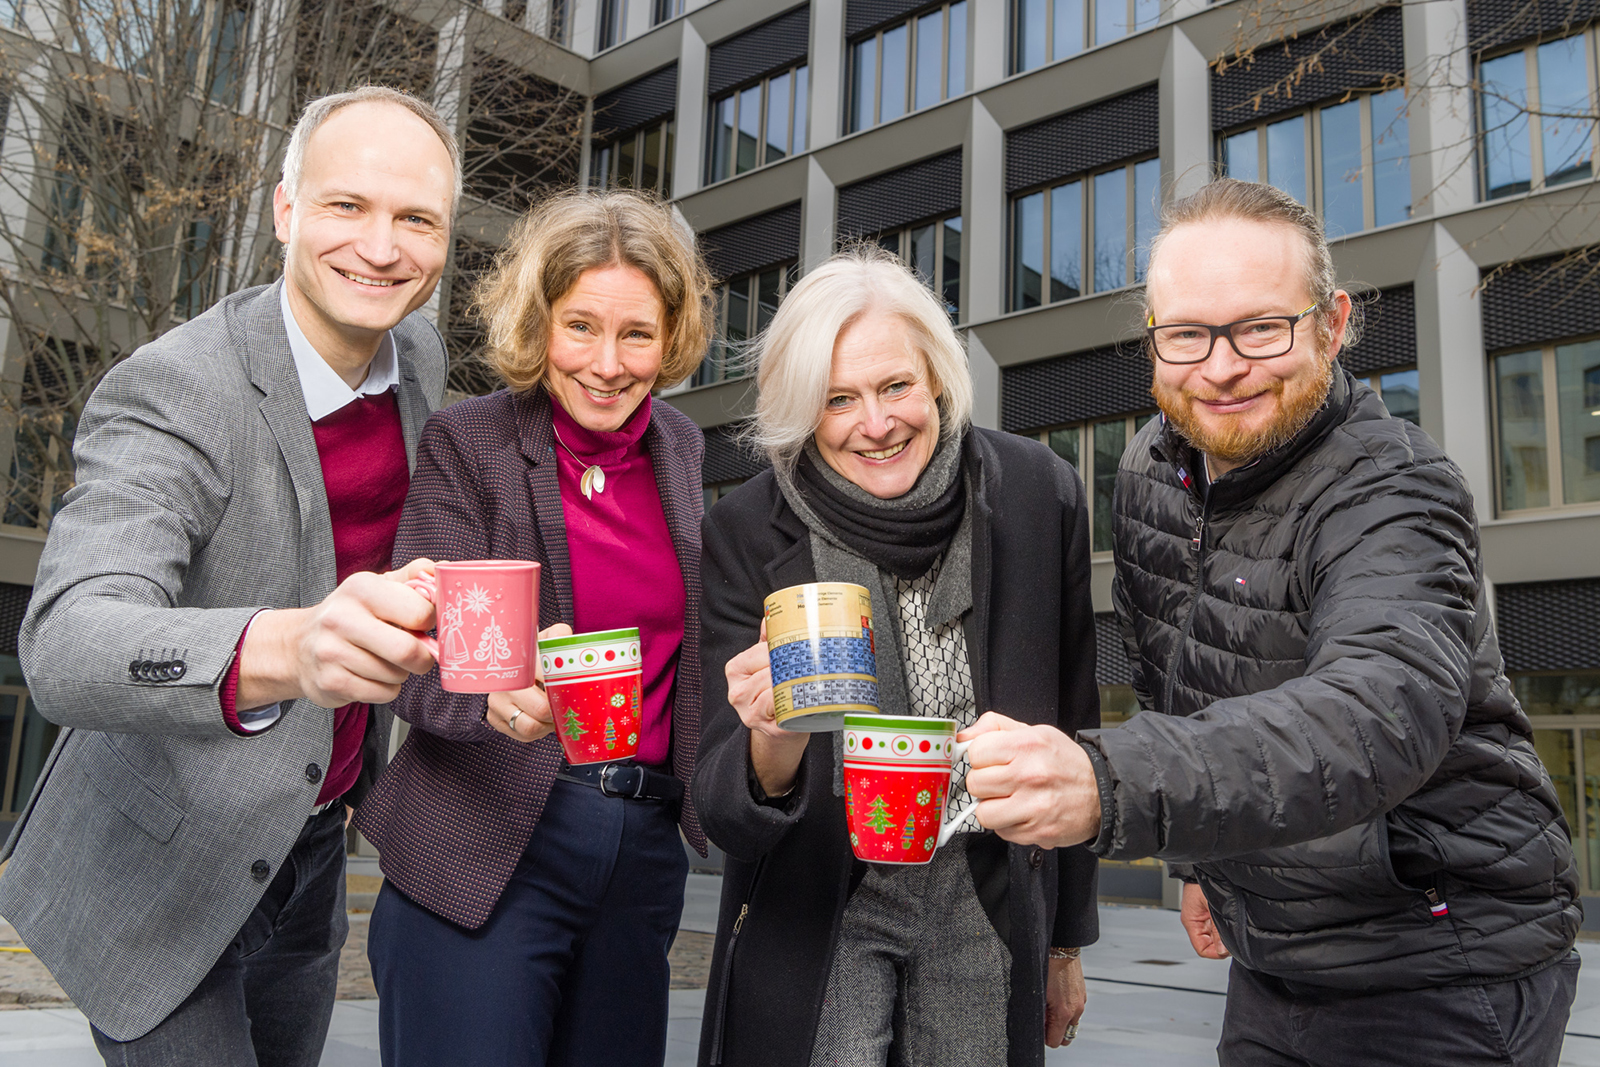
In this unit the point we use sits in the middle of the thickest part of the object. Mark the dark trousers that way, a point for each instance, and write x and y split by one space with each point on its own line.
571 966
1516 1023
268 1000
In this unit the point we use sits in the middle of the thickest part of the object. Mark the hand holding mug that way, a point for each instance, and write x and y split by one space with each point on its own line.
775 753
524 714
1035 784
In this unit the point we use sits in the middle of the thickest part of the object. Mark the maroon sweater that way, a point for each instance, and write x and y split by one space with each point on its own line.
363 454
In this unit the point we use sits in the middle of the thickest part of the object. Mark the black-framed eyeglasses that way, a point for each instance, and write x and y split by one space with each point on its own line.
1192 342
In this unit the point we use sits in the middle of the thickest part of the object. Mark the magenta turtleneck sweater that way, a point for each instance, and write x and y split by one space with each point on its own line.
625 570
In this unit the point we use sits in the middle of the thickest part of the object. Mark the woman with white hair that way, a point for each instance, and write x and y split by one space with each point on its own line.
975 547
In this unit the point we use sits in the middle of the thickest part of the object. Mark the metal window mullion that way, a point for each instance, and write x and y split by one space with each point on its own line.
1262 174
1315 193
1131 210
1592 68
1552 427
1086 241
1369 166
1535 123
1047 214
13 757
877 76
1580 797
944 51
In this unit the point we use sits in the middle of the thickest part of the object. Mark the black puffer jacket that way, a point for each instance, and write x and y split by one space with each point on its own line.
1328 733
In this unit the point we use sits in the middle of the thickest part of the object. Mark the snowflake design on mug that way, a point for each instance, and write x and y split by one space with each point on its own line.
477 599
617 700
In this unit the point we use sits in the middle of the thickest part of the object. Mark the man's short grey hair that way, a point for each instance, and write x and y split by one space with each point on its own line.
323 108
794 357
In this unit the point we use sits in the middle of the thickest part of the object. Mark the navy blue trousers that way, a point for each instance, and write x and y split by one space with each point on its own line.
569 969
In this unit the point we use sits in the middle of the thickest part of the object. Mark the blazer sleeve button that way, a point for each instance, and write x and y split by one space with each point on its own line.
1036 858
260 869
178 667
313 773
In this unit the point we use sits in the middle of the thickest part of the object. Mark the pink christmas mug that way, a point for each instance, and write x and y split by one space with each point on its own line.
595 683
488 624
897 771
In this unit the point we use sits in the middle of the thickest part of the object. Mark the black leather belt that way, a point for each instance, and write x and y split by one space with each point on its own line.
624 779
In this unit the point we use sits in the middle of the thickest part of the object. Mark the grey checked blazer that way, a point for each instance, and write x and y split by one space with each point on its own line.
199 501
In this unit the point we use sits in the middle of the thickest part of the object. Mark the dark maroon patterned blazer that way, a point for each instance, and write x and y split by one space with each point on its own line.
454 811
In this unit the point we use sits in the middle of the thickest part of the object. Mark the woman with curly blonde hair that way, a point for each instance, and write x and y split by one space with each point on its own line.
524 908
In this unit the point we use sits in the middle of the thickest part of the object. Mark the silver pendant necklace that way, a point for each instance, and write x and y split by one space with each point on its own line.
593 480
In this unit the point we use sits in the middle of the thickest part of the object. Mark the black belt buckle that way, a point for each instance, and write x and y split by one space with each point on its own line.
625 780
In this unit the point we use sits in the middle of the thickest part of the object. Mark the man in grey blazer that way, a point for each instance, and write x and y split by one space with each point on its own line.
209 591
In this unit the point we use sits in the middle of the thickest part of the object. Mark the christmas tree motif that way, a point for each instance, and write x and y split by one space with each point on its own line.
493 646
908 839
571 727
878 816
611 733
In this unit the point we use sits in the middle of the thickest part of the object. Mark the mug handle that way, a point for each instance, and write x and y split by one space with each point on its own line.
428 589
948 830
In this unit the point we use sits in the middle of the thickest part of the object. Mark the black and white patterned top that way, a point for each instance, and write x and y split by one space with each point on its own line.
938 674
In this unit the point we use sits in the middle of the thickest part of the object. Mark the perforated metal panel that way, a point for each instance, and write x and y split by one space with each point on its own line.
1071 388
1532 302
773 45
1391 335
753 243
1364 51
13 606
1119 128
1549 626
1497 22
861 16
639 103
920 191
1111 657
726 459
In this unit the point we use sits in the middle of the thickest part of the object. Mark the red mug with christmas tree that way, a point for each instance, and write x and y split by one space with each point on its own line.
488 623
897 776
596 686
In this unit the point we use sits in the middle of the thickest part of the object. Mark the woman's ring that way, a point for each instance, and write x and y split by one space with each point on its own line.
511 723
1072 1032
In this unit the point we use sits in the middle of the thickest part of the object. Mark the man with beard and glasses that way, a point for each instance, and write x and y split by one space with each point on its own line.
1329 754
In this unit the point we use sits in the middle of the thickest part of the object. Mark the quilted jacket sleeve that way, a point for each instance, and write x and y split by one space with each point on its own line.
1388 563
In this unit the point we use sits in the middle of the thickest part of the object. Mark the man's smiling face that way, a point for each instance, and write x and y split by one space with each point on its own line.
368 230
1222 270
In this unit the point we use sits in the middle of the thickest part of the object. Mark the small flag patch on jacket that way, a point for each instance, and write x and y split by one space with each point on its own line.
1238 581
1439 909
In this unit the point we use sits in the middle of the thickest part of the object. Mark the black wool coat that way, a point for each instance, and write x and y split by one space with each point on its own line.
790 871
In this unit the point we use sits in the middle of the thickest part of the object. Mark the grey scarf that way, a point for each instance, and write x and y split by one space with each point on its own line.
835 562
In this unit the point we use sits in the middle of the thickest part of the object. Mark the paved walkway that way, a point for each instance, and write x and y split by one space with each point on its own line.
1152 1003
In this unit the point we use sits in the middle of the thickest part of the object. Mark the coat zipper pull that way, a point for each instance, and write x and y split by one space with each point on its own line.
1435 904
744 909
1199 533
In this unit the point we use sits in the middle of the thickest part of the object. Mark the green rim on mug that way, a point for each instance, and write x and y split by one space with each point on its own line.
550 643
900 722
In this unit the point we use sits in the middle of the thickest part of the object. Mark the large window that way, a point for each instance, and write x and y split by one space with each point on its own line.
1401 393
933 250
1048 30
610 30
663 10
1536 116
1087 235
908 66
745 304
1350 161
1095 449
638 160
759 124
1565 710
1547 426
